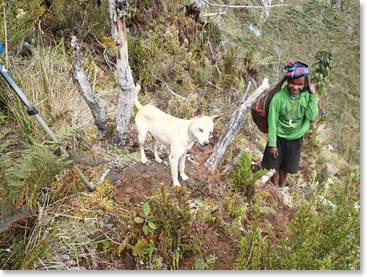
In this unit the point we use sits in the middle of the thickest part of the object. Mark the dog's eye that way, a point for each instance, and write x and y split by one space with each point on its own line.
201 130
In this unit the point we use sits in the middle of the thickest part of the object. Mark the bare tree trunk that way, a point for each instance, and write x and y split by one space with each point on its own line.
234 126
82 83
118 12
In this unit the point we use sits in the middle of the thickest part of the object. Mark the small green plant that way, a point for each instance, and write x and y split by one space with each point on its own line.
253 248
144 250
202 73
205 264
243 177
176 222
146 219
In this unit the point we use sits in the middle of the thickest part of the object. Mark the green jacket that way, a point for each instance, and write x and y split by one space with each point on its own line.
290 118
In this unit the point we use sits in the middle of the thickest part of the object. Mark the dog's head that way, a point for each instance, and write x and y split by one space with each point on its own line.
201 128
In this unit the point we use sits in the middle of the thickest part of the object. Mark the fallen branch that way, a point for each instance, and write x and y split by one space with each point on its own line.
236 123
10 220
246 92
265 178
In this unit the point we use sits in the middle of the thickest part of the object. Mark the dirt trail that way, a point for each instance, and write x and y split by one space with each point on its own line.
134 183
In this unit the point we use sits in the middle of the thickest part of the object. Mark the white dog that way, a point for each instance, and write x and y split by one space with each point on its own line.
177 134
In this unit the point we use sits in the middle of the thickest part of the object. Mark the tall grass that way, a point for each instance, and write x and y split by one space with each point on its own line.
46 80
59 242
28 163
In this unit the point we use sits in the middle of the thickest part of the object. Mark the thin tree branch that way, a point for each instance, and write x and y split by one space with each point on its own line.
169 89
242 6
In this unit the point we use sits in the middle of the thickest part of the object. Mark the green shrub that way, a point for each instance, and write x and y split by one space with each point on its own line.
324 234
175 220
243 177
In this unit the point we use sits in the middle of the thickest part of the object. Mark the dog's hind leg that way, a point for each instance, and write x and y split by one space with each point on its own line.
181 167
142 133
156 157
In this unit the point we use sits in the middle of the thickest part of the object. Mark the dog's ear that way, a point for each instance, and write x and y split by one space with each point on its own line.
215 118
199 112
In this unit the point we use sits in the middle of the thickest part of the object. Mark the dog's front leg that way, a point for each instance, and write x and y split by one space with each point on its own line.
156 157
173 161
142 154
181 167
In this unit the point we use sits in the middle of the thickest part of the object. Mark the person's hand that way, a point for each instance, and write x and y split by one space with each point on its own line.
274 152
311 87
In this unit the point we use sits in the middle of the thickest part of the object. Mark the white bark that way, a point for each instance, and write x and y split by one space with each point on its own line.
118 12
234 126
84 88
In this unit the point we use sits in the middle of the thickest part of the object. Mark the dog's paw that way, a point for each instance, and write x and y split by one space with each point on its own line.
144 160
176 184
184 177
158 160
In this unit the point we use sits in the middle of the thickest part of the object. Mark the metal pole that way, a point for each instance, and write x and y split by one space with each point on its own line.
31 110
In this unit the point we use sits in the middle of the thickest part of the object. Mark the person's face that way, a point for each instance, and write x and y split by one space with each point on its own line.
295 86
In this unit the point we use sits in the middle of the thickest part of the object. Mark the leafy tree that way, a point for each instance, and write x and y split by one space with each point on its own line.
19 19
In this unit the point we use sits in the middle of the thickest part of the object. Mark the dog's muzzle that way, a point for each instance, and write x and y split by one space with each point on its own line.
206 143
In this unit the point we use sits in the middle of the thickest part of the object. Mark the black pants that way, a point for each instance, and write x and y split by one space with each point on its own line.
288 158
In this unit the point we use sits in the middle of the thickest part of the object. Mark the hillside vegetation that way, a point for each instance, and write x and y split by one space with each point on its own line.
186 57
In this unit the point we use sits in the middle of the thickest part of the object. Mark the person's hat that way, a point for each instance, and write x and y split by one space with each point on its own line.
295 69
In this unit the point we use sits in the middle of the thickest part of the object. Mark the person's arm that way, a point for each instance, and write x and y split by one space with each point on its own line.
273 118
313 105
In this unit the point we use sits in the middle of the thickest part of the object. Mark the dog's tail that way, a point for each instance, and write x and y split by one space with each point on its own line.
137 103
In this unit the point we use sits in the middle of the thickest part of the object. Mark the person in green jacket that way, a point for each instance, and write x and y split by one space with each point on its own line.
290 112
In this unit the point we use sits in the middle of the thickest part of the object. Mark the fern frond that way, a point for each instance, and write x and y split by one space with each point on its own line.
35 168
64 134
